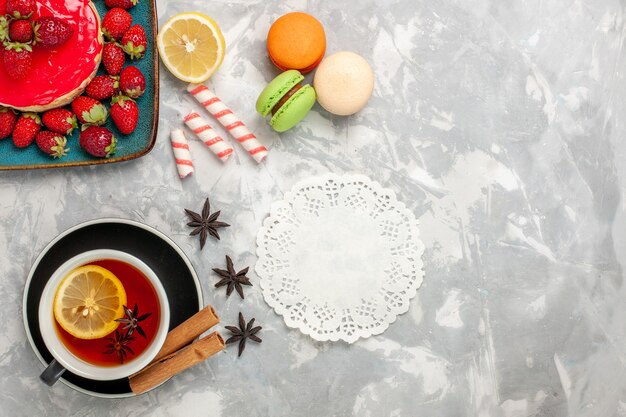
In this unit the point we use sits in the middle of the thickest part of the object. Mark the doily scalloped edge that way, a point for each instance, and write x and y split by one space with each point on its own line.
278 308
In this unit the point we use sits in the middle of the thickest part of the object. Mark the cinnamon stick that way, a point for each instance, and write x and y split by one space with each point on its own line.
186 332
158 372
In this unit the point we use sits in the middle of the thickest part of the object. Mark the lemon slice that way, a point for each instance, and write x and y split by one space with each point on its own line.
88 301
191 46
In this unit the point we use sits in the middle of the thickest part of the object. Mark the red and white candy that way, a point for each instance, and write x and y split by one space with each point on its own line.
209 136
181 153
236 128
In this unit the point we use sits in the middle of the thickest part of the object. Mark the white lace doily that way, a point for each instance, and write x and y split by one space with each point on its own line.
339 257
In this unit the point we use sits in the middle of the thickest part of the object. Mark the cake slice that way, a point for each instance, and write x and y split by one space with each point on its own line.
58 75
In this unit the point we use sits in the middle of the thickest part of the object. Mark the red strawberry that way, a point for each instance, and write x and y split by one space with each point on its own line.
52 32
115 23
134 42
124 113
60 121
26 128
103 86
98 141
89 111
113 58
124 4
17 60
132 82
7 121
52 143
20 31
20 9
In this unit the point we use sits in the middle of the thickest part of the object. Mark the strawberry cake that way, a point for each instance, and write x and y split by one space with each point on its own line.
60 74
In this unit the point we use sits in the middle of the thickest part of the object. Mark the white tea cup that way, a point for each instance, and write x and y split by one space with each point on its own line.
64 359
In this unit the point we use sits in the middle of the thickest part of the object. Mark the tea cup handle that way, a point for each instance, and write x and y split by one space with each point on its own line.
52 373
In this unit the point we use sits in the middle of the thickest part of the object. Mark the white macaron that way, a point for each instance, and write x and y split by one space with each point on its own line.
344 82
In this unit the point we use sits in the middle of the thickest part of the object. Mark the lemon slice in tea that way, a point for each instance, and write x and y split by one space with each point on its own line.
88 301
191 46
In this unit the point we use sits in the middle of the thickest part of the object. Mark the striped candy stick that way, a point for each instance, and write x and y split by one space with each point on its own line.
236 128
209 136
181 153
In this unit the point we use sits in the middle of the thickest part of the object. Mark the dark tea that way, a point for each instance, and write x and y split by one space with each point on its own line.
140 292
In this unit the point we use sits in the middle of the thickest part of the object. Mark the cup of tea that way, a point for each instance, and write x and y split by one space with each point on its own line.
103 315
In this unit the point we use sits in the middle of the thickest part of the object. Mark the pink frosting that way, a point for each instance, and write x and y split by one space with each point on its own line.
58 71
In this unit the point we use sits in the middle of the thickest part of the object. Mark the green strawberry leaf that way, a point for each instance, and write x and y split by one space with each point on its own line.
111 148
73 124
59 149
33 116
97 115
120 98
17 46
134 51
37 38
4 29
17 15
107 34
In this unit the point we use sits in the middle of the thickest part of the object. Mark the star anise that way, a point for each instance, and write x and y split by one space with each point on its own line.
243 333
119 345
205 223
131 321
232 279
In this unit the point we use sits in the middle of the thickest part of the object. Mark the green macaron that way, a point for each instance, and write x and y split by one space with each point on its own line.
286 99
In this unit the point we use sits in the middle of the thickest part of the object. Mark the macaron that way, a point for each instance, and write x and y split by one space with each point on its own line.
343 82
296 41
286 99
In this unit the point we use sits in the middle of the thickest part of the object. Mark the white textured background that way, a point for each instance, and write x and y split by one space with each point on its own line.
501 124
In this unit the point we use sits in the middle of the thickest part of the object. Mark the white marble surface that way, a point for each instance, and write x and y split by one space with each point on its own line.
501 124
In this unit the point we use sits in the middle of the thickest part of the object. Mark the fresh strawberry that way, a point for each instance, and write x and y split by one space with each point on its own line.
132 82
115 23
134 42
89 111
17 59
98 141
52 32
26 128
124 4
60 121
103 86
7 121
113 58
20 9
52 143
20 31
124 113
